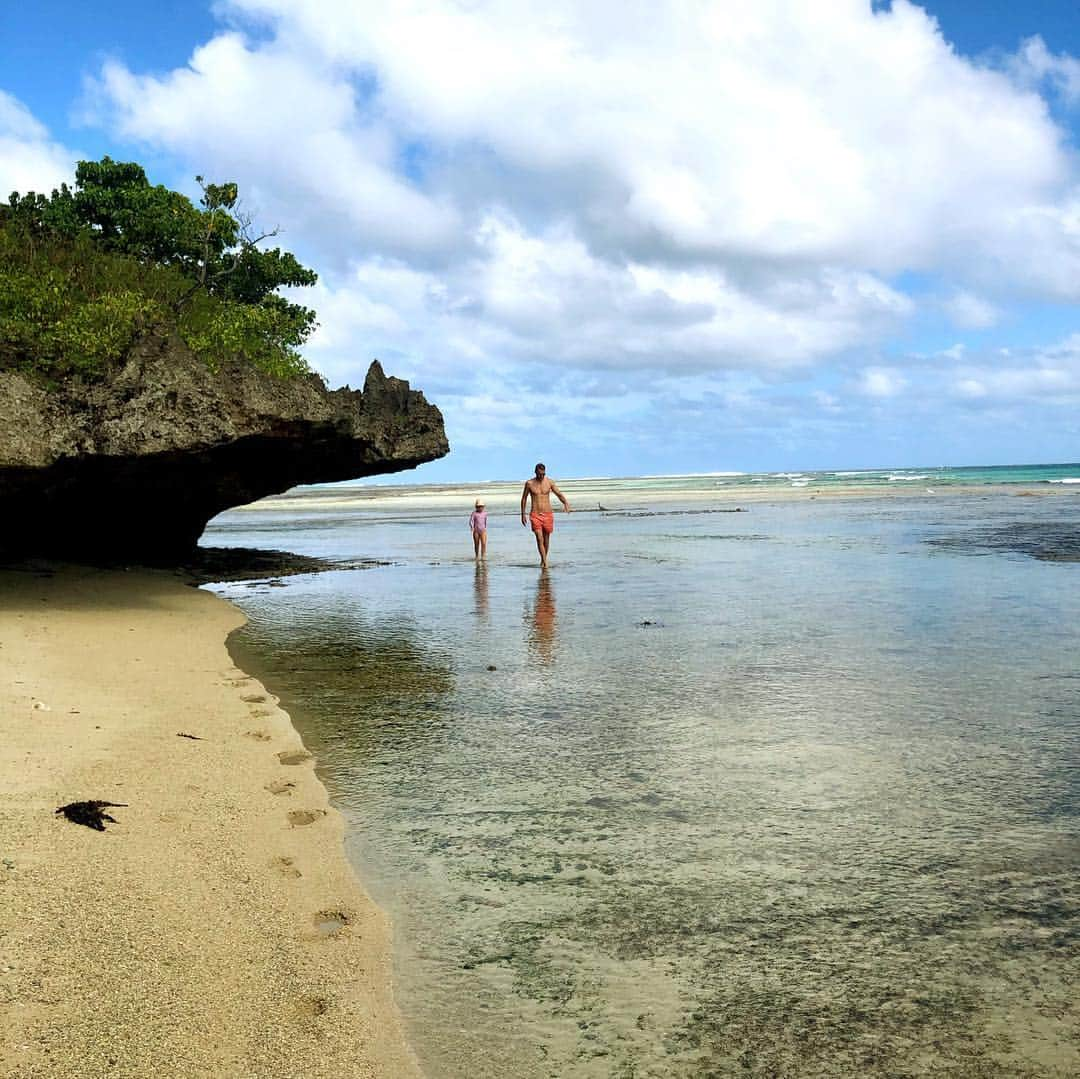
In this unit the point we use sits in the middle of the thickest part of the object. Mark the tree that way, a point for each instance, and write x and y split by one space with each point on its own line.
201 263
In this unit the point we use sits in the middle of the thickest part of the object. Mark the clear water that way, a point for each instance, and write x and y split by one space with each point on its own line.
791 791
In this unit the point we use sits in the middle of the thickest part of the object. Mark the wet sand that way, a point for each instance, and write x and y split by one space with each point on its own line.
216 928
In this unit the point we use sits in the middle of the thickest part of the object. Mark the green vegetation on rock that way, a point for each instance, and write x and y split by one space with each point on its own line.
86 271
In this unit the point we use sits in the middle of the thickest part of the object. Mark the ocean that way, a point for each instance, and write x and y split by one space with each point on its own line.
766 776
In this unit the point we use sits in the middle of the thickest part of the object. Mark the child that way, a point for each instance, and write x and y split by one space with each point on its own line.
478 524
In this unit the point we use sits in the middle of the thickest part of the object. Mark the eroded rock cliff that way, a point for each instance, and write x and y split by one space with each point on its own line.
133 466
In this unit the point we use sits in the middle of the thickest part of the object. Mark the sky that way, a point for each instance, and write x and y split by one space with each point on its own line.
626 237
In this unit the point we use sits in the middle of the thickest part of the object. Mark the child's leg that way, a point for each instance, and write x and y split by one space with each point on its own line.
483 544
476 544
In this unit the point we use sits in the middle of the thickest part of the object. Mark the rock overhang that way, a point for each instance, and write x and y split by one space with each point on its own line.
131 467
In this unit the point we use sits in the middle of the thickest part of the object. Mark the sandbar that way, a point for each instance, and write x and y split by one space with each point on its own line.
595 496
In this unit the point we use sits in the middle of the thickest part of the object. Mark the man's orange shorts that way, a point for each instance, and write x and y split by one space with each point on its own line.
543 522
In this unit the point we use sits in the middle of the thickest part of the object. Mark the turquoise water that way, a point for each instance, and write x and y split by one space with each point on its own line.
789 791
897 478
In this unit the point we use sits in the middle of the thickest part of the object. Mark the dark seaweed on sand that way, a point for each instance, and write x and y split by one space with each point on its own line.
90 813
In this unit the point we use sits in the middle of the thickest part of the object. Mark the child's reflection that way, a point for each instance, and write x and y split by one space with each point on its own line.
542 631
480 588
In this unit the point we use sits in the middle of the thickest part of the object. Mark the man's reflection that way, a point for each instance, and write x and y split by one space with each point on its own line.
542 631
480 588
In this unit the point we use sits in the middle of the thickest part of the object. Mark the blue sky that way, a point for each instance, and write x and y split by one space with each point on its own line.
627 238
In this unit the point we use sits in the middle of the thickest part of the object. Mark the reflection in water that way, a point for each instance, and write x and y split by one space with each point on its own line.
805 803
352 681
480 588
542 628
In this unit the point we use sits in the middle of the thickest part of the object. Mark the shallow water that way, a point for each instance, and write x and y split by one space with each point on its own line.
784 792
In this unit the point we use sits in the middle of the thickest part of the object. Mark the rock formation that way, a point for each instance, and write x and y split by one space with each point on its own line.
131 467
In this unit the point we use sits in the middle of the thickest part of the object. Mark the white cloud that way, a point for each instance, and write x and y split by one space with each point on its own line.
881 382
970 387
996 377
287 127
827 402
29 159
1050 375
615 195
1034 63
782 131
545 299
792 133
970 312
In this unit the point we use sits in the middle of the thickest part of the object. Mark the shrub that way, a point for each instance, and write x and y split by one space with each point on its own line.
84 272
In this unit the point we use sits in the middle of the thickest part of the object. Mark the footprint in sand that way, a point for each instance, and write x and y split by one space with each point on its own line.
259 713
312 1007
280 786
286 867
299 817
259 736
294 756
253 698
329 923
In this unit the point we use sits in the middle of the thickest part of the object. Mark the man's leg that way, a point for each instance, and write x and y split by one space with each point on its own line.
541 545
547 544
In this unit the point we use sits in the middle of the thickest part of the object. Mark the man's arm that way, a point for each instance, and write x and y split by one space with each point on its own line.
561 497
524 495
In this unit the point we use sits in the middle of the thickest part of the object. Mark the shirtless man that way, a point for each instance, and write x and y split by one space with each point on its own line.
541 517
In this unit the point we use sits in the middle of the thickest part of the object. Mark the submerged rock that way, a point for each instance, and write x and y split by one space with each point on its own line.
1048 541
131 467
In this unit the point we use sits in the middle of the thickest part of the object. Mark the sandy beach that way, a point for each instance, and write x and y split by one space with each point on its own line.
216 929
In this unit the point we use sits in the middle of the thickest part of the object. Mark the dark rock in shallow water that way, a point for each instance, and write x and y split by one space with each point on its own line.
217 564
1049 541
130 468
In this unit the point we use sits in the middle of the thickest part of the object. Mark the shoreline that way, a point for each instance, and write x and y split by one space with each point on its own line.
586 498
217 927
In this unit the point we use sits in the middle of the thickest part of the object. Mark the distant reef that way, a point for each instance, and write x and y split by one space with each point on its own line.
130 466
